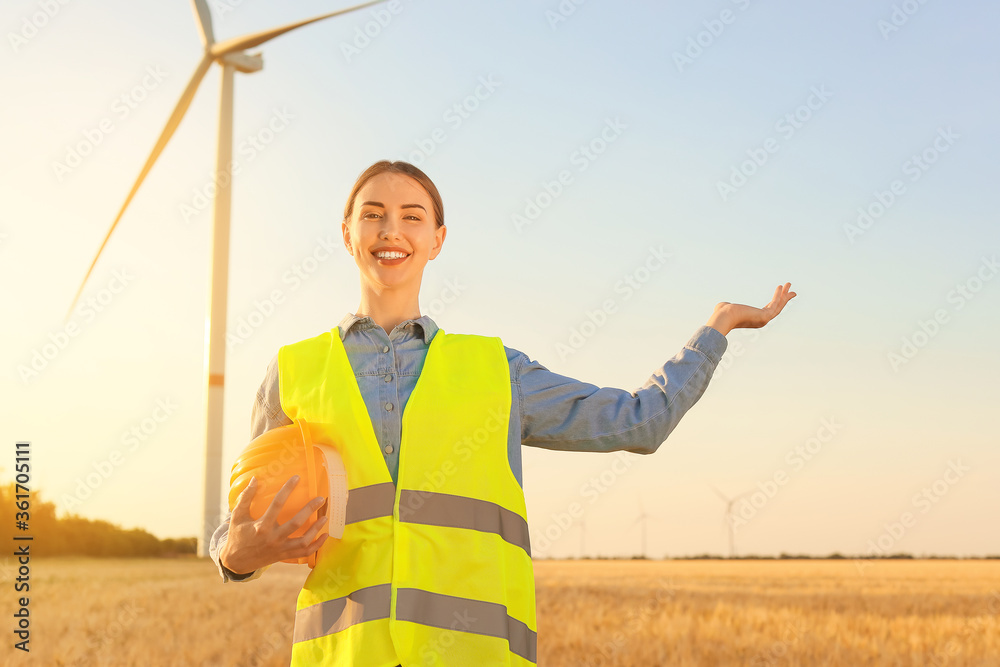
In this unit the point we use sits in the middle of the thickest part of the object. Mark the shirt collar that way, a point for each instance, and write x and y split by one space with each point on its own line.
424 323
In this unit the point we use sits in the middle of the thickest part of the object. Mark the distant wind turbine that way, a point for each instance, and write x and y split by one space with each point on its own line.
729 516
230 55
643 519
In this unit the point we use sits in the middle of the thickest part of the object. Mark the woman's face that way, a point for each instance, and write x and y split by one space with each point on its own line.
393 211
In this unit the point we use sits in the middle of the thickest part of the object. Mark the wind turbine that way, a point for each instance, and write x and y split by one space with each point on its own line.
729 515
643 517
231 56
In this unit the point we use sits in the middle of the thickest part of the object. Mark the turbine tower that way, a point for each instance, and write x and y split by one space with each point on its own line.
231 56
643 518
729 515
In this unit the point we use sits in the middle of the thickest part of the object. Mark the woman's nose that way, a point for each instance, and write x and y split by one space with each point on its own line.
390 226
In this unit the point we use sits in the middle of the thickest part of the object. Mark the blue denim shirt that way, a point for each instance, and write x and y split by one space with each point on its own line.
547 409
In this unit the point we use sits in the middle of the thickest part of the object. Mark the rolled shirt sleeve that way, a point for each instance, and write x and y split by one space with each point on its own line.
561 413
215 547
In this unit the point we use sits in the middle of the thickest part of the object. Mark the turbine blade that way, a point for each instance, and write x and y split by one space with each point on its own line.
168 131
256 39
720 494
204 22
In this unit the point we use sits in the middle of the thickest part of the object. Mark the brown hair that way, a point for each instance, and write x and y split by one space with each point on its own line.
397 167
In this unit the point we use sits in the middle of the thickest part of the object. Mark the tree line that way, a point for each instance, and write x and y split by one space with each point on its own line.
74 535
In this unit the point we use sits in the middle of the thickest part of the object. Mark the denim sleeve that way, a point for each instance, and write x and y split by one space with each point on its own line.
266 414
561 413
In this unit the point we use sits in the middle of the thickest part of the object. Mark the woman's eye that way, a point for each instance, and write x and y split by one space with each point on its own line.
373 214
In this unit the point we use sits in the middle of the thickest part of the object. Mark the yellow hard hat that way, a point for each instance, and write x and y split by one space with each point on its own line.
275 456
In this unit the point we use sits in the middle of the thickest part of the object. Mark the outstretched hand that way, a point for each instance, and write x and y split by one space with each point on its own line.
728 316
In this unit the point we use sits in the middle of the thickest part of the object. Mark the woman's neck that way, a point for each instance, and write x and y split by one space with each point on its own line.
386 311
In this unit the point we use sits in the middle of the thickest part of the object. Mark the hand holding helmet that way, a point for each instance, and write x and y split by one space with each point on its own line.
254 543
278 486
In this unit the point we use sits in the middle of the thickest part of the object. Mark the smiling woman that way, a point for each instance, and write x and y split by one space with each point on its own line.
434 564
393 225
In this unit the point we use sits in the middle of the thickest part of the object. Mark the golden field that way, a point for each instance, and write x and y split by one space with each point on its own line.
786 612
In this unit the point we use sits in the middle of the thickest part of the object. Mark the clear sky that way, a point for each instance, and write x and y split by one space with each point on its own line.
745 138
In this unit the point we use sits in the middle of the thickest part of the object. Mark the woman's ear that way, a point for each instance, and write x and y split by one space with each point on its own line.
346 231
439 235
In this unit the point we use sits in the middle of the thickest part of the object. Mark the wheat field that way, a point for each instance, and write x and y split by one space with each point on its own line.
785 612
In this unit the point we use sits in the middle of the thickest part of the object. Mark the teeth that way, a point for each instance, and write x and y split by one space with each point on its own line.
390 255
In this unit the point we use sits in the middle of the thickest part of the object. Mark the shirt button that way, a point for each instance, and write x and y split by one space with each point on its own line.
388 449
385 348
388 406
388 377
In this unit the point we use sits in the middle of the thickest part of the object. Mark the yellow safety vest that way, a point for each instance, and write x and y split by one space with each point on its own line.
437 569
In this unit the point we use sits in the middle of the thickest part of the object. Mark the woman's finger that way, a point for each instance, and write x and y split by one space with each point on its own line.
315 545
241 510
306 543
293 524
310 535
270 516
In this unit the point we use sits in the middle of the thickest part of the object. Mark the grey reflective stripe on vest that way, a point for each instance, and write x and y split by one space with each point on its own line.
445 509
464 615
325 618
417 606
370 502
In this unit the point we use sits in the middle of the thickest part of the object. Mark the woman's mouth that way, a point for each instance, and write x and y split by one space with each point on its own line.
390 258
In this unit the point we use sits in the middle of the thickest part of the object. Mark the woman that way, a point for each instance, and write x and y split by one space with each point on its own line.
434 565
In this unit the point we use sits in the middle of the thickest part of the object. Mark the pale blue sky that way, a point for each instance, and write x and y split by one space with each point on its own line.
885 99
